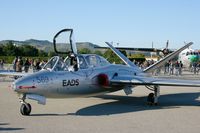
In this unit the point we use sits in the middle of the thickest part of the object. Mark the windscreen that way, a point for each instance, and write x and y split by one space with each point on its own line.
51 63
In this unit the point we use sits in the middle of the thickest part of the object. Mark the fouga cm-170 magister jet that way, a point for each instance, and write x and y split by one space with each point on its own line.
84 75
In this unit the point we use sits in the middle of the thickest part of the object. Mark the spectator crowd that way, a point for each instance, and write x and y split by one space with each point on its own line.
170 68
20 65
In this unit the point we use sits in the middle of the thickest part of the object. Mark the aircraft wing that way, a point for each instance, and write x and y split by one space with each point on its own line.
140 80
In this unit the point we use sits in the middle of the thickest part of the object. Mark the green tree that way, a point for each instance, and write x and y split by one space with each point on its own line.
29 50
85 51
9 49
139 55
112 57
98 52
51 54
1 50
41 53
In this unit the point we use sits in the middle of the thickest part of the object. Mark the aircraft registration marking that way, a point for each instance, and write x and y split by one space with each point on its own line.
42 79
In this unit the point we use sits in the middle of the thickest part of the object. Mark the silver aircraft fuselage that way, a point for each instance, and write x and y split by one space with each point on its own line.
66 84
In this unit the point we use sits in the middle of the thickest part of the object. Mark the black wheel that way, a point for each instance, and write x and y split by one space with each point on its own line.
25 109
150 98
30 108
22 109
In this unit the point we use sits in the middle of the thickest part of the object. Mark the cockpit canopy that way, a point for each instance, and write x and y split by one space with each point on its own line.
74 63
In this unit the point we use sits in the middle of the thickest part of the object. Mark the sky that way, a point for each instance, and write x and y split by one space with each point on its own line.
130 23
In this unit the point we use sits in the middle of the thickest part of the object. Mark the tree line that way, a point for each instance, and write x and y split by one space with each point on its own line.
9 49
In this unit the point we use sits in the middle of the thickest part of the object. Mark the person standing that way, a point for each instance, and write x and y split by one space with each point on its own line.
14 63
198 68
34 65
166 68
18 66
180 67
1 64
26 65
195 67
171 68
177 68
38 65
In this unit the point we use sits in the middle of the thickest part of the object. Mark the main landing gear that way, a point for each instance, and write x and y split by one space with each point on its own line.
152 98
25 108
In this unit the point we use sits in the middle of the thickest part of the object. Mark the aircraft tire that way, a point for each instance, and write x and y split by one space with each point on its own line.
150 99
25 109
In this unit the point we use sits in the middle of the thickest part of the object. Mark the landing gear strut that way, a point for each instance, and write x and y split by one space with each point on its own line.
152 98
25 108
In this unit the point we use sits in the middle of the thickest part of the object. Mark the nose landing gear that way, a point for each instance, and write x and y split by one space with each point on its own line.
25 108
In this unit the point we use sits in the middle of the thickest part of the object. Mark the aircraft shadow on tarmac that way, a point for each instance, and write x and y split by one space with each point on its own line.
8 128
126 104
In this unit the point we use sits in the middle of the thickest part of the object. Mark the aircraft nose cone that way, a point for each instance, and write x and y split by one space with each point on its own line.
16 86
23 85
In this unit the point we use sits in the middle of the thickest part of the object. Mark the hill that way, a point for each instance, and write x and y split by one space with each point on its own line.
46 45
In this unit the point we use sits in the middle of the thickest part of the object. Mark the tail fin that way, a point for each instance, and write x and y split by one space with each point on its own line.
122 57
166 58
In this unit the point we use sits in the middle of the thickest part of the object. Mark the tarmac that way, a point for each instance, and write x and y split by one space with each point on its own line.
178 112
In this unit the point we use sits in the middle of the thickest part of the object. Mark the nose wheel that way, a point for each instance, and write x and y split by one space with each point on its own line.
25 108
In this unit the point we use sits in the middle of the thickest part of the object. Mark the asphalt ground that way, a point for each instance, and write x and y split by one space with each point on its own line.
178 112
